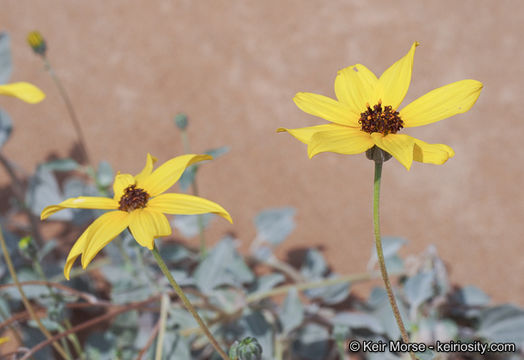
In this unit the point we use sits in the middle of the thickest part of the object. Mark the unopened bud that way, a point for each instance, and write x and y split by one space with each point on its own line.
37 43
247 349
181 121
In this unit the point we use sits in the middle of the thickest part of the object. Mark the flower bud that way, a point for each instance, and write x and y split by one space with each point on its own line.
181 121
377 154
247 349
37 43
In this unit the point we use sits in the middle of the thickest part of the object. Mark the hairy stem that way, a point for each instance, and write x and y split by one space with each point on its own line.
188 304
380 254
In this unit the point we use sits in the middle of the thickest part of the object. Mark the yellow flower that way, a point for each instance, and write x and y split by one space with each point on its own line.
365 113
24 91
37 42
138 203
3 340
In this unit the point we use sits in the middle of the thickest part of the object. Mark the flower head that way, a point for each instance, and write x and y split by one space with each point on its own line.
139 203
37 42
366 113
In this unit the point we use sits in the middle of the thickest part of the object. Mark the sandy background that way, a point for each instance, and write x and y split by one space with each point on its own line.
234 67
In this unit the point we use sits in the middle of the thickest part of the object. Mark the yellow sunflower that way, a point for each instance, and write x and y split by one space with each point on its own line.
139 204
23 91
365 113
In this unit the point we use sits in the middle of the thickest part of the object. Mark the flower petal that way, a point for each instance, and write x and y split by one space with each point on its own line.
77 250
304 134
398 145
147 170
431 153
102 231
81 202
355 86
326 108
146 224
169 172
183 204
341 141
122 181
394 82
24 91
441 103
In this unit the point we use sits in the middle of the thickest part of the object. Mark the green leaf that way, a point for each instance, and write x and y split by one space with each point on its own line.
267 282
255 325
175 347
419 288
223 266
43 191
355 320
314 266
105 174
473 296
6 127
292 312
66 164
6 65
188 224
503 323
187 178
332 294
274 225
46 249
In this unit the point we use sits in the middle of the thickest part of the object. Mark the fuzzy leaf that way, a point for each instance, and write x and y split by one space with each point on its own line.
43 191
6 65
66 164
274 225
312 343
6 127
105 174
419 288
355 320
188 224
292 312
504 323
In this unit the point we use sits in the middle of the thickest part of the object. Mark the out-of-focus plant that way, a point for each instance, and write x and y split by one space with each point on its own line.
254 304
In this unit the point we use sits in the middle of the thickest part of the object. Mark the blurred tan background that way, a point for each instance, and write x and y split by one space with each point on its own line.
234 67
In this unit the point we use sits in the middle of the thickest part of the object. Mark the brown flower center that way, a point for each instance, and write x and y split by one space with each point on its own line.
133 198
382 120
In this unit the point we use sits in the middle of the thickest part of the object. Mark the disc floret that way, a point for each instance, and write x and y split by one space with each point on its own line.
380 119
133 198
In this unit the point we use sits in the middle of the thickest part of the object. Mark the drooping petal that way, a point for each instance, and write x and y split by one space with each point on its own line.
147 170
398 145
341 141
24 91
431 153
77 250
441 103
304 134
393 84
355 86
122 181
169 172
102 231
182 204
326 108
146 224
81 202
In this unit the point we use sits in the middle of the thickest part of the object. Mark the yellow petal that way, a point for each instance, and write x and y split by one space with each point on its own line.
77 250
304 134
182 204
81 202
146 224
441 103
394 82
355 86
326 108
398 145
24 91
147 170
102 231
341 141
169 172
431 153
122 181
3 340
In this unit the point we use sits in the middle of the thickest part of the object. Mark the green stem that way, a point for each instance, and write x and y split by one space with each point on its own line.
188 304
380 254
70 109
